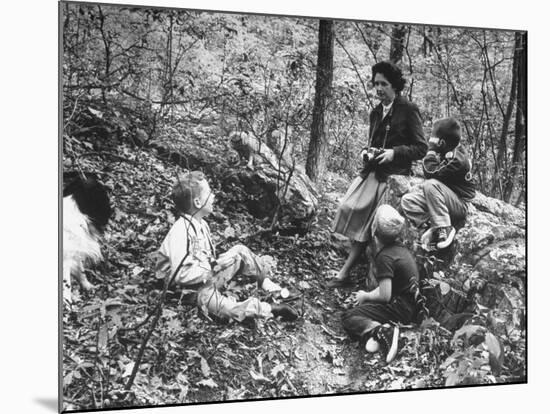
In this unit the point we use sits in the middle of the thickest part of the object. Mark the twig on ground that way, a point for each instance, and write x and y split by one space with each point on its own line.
287 380
92 390
330 333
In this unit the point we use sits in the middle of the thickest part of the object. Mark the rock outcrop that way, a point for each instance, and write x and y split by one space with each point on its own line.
484 268
275 187
270 185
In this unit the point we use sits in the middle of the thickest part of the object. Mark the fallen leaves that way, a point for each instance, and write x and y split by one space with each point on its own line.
137 271
128 369
229 232
445 288
193 359
496 352
278 369
304 285
258 377
205 368
210 383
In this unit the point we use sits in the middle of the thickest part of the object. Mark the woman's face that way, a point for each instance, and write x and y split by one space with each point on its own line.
384 89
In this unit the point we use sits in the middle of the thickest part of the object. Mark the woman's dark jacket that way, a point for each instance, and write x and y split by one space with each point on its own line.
405 136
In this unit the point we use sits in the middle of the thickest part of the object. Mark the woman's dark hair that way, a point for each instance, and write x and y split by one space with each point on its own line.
392 73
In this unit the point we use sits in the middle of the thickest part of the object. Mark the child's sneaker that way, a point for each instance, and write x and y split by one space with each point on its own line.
289 295
387 337
427 240
445 236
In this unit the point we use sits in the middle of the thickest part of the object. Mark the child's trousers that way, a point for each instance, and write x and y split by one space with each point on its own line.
237 260
434 203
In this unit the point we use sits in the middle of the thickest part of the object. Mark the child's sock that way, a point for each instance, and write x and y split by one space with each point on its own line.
270 286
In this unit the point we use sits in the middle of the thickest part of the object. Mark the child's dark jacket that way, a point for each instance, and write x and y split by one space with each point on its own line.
453 169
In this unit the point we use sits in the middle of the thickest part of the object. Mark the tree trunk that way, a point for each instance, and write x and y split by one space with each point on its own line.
323 87
107 44
502 146
520 127
398 35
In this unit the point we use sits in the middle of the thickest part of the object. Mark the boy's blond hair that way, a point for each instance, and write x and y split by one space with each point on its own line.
188 187
387 224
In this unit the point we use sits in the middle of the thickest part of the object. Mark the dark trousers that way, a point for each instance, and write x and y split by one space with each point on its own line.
359 320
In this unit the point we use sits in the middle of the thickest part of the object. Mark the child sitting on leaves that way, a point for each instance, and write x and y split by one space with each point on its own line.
397 298
188 252
441 200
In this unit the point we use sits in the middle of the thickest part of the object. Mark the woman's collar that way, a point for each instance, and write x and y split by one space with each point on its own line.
388 106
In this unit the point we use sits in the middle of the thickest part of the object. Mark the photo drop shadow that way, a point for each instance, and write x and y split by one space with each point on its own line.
48 402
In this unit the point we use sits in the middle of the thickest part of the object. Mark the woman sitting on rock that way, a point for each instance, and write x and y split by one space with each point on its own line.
396 139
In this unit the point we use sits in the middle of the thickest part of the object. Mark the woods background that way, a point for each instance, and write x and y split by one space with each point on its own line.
160 73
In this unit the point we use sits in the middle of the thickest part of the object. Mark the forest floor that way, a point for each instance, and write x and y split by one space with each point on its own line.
192 359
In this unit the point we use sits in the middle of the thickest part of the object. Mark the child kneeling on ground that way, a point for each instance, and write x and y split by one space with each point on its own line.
188 252
442 200
397 298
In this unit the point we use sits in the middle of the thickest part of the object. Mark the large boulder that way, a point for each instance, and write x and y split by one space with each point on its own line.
271 186
485 268
274 186
482 272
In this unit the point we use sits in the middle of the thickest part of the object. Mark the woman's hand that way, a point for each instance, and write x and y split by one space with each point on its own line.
386 156
359 297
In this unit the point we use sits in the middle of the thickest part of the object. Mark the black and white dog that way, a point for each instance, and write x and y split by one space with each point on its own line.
86 211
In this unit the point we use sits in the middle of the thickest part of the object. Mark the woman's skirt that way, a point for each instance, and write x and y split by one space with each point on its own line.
356 212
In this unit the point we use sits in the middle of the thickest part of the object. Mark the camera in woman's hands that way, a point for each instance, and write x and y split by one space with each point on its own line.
370 162
369 156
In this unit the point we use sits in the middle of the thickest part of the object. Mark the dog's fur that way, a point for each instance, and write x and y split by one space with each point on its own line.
86 211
